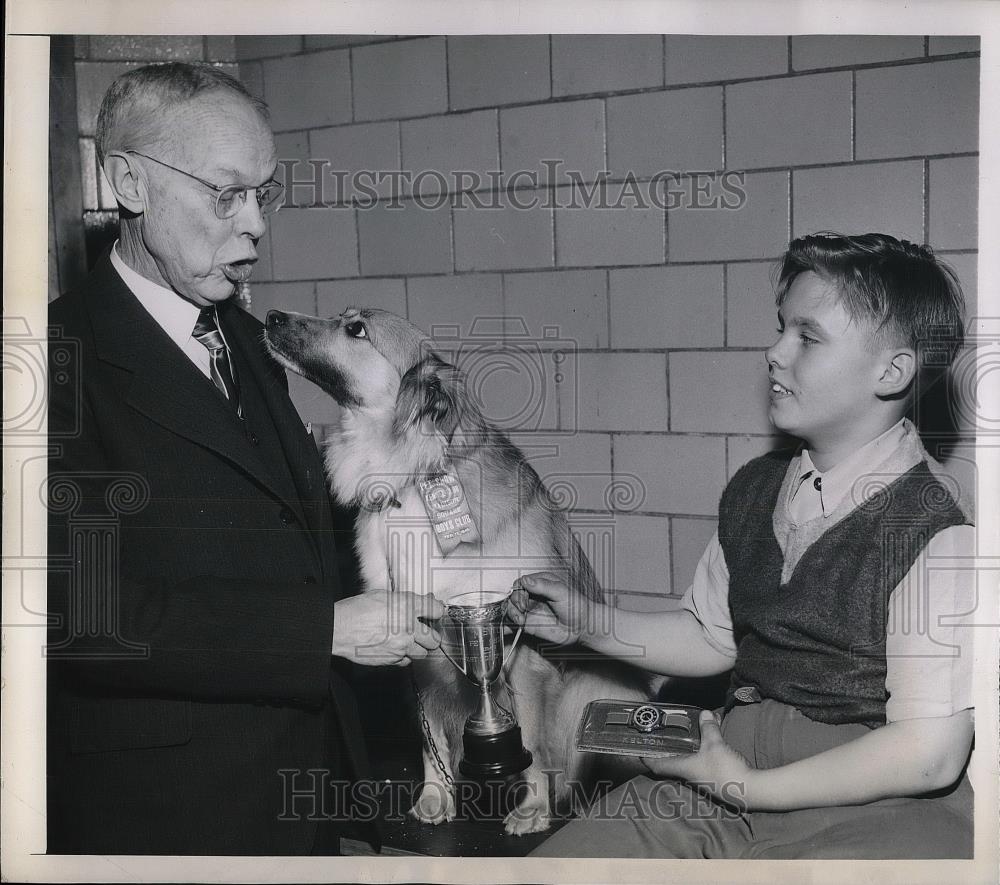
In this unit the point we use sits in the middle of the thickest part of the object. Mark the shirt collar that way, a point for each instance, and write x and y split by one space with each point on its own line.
840 479
174 314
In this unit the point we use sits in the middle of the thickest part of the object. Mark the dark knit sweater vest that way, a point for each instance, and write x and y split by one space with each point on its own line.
817 642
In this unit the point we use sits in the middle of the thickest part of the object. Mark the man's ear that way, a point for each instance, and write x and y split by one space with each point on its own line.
898 371
123 176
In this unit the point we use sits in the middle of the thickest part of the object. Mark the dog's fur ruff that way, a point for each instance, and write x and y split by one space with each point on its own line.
406 416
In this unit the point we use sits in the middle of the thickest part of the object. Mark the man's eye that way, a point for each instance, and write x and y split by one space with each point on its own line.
356 329
807 340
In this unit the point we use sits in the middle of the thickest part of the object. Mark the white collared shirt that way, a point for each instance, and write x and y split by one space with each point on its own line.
924 675
175 315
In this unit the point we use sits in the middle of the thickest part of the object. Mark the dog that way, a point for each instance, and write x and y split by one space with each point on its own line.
407 416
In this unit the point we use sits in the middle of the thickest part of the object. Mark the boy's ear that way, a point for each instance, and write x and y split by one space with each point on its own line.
899 369
129 189
430 391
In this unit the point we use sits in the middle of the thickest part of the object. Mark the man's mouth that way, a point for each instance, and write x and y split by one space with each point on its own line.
779 389
239 271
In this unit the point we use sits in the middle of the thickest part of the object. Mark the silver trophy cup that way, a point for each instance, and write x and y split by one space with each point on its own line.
472 639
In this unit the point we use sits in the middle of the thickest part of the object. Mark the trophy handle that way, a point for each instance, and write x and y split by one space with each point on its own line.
458 666
510 650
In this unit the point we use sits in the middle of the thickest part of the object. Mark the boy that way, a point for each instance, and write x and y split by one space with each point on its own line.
848 724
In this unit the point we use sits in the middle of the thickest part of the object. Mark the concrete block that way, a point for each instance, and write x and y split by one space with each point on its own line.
689 538
627 229
404 78
92 81
251 74
446 145
506 238
788 122
954 203
89 174
704 59
751 314
438 304
263 270
614 391
405 240
497 69
571 133
754 227
333 297
220 47
250 46
293 297
966 266
946 45
572 305
605 63
311 244
338 41
131 47
576 468
680 474
305 91
642 555
356 155
741 449
661 307
678 130
718 392
930 108
840 50
884 197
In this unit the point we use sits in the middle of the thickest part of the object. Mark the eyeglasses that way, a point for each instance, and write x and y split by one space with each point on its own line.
233 197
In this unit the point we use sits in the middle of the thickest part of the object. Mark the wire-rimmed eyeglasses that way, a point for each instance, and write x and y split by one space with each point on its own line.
233 197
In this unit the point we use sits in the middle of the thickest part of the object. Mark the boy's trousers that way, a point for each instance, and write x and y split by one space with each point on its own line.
665 818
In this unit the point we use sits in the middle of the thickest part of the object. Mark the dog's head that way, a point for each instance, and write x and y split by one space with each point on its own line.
374 360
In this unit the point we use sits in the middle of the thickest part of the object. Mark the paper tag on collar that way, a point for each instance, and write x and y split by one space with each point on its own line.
448 510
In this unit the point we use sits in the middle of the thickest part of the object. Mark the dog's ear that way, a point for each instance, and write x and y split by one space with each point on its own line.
432 391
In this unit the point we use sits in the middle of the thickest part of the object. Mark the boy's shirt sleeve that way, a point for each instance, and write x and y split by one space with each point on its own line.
708 599
929 634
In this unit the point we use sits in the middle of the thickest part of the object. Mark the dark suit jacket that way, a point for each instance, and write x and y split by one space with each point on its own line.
193 575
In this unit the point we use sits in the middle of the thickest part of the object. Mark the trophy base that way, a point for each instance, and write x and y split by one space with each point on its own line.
494 755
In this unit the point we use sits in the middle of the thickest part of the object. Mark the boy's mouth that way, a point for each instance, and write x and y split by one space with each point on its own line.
779 389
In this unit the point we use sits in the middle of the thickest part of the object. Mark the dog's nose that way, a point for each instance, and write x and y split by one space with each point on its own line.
275 318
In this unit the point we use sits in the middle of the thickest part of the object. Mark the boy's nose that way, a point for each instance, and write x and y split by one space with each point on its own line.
773 354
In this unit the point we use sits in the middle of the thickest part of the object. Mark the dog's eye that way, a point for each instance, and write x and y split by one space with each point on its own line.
356 329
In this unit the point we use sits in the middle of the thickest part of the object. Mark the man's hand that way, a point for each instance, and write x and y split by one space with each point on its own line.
379 628
716 766
545 607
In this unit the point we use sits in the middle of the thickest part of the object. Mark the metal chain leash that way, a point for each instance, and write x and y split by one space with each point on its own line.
438 761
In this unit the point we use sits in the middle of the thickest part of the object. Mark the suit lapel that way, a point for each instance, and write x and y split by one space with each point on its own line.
166 386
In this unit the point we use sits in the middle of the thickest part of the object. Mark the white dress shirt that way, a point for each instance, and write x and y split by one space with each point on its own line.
174 314
928 652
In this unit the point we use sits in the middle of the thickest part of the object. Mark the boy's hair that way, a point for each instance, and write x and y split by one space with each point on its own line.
133 108
901 290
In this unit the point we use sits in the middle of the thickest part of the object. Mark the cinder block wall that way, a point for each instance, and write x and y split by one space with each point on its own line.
670 310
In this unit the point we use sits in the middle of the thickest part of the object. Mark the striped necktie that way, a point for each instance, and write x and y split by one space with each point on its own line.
206 330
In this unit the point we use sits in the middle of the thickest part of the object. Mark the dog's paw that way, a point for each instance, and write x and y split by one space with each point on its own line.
528 817
434 806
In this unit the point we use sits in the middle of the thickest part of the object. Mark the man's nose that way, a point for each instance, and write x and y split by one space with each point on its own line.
250 220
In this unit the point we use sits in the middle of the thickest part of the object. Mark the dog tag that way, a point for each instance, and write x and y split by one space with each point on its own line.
448 510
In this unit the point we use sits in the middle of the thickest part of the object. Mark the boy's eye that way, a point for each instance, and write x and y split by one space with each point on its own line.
806 339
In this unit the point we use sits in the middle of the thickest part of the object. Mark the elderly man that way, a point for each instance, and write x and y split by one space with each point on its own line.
198 699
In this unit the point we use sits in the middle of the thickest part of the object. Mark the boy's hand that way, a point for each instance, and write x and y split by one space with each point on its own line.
716 766
545 607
